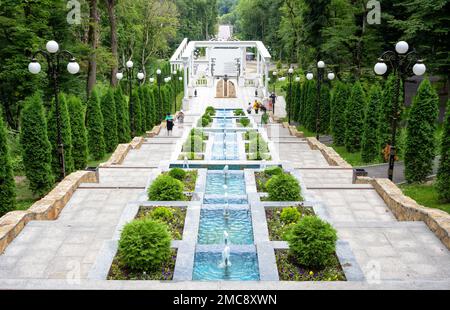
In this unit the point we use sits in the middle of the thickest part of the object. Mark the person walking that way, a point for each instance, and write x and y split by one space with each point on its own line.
256 106
180 118
169 123
249 108
273 97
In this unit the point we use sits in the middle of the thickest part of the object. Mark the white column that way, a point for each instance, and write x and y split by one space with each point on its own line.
185 68
243 60
258 68
266 73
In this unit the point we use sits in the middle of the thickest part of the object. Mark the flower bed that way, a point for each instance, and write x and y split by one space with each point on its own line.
277 228
119 271
189 180
175 224
290 270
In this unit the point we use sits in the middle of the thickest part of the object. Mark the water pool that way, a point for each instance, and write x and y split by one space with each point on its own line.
235 182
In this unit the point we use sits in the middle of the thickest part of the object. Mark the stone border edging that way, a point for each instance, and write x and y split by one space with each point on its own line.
405 208
331 156
45 209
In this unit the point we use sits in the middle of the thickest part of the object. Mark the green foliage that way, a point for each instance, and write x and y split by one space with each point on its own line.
95 129
36 148
108 106
239 112
385 129
310 109
420 143
144 245
370 144
325 109
210 111
123 126
354 118
194 144
205 120
258 145
338 107
143 108
265 118
283 187
443 175
290 215
79 134
66 136
177 173
312 242
166 188
161 214
245 121
7 185
273 170
135 113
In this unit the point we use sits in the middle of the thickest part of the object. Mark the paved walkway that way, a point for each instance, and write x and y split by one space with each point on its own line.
392 254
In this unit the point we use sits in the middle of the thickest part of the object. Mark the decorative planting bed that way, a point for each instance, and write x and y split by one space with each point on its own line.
278 226
278 184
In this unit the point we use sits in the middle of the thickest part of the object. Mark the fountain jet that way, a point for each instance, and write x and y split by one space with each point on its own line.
225 257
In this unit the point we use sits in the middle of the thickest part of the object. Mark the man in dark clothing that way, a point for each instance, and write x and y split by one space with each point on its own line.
273 97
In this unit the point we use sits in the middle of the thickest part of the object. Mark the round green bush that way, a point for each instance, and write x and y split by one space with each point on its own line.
206 120
312 242
283 187
161 214
166 188
258 144
273 170
244 121
210 111
177 173
144 245
290 215
193 144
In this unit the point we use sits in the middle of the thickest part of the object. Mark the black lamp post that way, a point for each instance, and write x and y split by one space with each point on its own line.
129 68
274 73
54 56
310 76
289 103
402 65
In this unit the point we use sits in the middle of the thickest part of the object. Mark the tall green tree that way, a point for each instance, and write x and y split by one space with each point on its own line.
123 127
36 148
136 116
7 185
370 144
108 107
143 107
443 175
94 125
79 133
354 118
311 106
338 108
66 136
420 147
325 109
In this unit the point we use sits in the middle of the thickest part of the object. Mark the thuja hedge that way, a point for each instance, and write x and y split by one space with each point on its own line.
94 123
7 185
79 133
443 175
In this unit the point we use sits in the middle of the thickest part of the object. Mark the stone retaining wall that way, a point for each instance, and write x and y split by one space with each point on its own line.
48 208
406 209
118 156
331 156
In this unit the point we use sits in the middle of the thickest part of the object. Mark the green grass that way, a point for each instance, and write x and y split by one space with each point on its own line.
95 163
354 159
426 195
25 197
306 132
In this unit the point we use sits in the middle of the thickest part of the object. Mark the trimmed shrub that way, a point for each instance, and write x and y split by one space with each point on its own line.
66 136
210 111
239 112
370 144
36 148
257 144
443 175
265 118
166 188
193 144
144 245
94 125
177 173
311 106
244 122
161 214
136 114
420 147
325 109
354 119
7 185
274 170
312 242
123 126
338 107
79 134
108 107
290 215
283 187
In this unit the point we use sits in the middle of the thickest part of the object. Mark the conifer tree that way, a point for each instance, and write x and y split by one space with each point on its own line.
337 118
311 106
143 108
7 185
443 175
108 107
420 148
370 144
136 117
94 125
66 136
36 148
354 118
325 109
79 133
123 128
